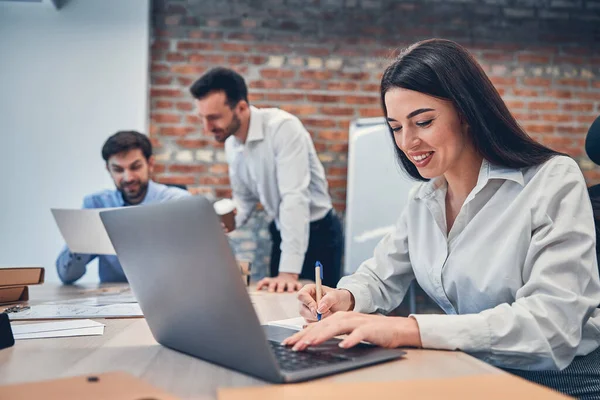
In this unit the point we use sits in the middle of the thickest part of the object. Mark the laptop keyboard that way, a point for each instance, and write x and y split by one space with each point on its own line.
297 360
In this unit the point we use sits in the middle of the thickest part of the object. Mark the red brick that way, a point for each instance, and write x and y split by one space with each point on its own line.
166 118
323 98
592 177
206 58
526 116
596 84
257 60
188 106
272 73
272 48
188 69
557 142
537 82
354 76
557 117
153 129
185 81
255 96
318 123
371 87
162 80
192 143
337 111
370 112
320 147
513 105
299 109
223 193
176 130
176 180
572 130
318 75
265 84
303 85
235 47
338 147
213 180
586 119
344 124
558 94
160 45
193 120
334 135
497 57
159 168
525 92
163 104
166 93
342 86
588 95
372 100
337 182
188 168
543 105
539 128
158 67
533 59
339 206
284 96
583 107
236 59
573 82
219 169
334 171
175 57
502 80
194 46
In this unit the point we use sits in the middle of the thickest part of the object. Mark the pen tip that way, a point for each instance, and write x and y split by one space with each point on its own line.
318 264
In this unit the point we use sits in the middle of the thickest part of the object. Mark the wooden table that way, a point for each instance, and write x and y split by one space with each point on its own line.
128 345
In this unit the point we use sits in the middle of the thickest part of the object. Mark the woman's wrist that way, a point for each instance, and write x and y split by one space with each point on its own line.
413 333
348 299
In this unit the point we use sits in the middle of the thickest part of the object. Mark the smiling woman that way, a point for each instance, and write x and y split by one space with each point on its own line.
499 233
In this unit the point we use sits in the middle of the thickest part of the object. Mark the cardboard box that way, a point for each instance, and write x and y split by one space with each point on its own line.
13 294
21 276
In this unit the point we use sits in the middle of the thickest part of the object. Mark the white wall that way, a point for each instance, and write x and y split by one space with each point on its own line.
69 78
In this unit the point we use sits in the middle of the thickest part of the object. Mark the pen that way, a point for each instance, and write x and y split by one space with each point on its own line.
318 277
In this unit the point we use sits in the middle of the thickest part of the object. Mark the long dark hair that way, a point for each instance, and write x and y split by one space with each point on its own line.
444 69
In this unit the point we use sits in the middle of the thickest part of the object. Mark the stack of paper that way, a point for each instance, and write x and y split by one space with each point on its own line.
85 327
74 311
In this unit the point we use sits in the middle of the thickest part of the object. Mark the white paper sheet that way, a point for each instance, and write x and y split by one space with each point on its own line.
85 327
297 323
69 311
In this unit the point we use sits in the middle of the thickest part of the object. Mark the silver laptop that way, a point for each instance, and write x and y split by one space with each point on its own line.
83 230
185 277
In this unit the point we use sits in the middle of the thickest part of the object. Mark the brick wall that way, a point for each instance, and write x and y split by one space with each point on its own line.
322 61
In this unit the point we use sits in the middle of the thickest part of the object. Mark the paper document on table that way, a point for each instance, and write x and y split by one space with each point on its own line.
85 327
296 323
71 311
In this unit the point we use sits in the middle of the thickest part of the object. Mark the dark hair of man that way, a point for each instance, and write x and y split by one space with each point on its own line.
125 141
221 79
446 70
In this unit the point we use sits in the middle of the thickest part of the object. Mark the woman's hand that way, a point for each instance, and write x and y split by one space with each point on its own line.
383 331
333 300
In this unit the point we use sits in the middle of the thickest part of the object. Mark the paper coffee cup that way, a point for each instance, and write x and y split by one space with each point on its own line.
225 209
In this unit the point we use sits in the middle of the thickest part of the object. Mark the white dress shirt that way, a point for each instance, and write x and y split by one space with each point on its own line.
279 167
517 274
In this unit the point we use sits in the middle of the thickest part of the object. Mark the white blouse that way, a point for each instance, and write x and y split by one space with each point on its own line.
517 275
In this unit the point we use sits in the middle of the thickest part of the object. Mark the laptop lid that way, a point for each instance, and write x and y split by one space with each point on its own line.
83 230
182 271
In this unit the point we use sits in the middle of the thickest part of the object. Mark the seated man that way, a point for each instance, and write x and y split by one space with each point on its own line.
129 160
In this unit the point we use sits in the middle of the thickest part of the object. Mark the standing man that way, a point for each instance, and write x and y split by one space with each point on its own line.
272 160
129 161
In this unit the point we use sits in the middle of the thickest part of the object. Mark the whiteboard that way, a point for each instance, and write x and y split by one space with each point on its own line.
377 189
